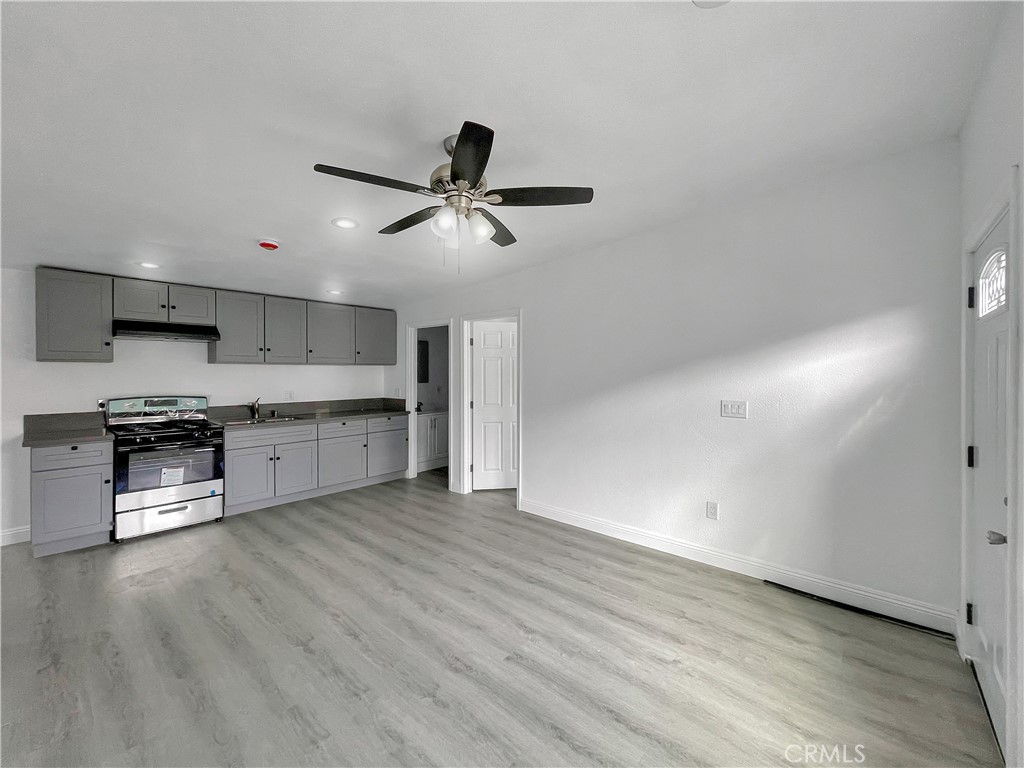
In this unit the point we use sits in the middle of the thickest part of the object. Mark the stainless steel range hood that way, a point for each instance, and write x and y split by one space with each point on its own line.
147 329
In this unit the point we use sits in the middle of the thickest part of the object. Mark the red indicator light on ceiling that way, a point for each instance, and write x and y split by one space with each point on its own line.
269 245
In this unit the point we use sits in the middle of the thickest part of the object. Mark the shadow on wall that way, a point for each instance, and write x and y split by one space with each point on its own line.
848 459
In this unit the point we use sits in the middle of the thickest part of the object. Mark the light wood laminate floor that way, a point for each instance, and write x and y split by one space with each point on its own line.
402 625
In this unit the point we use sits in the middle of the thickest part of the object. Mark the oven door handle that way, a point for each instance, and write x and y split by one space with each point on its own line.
214 444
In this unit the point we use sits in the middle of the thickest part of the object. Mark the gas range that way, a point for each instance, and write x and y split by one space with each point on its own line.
168 464
165 431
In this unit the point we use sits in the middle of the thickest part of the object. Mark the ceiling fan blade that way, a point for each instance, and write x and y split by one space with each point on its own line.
543 195
501 234
410 221
472 150
368 178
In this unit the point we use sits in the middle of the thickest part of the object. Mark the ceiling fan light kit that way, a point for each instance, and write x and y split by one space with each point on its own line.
462 187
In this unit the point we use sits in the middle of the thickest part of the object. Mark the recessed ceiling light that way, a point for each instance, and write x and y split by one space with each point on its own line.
149 265
336 293
343 223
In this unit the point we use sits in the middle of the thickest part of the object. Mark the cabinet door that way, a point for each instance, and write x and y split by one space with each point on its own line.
376 336
248 474
341 460
387 452
286 330
240 322
330 333
71 502
192 305
295 467
140 299
73 314
424 427
440 445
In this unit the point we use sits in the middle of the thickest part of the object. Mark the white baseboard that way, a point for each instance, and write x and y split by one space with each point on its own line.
885 603
15 535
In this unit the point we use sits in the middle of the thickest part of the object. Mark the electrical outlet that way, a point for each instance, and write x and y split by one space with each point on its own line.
712 511
734 409
289 394
101 405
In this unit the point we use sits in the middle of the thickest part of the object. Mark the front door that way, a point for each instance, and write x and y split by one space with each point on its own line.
987 516
495 424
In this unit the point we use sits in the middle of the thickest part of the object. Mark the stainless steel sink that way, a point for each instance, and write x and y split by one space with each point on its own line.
267 420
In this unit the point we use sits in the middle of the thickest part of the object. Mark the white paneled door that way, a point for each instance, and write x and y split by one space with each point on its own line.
988 513
495 402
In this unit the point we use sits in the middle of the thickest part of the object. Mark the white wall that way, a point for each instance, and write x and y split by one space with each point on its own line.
435 392
833 308
990 139
139 367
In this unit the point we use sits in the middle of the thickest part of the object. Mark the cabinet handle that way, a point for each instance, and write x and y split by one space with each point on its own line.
311 351
106 343
271 458
173 307
364 445
106 482
74 447
358 352
163 306
268 349
261 349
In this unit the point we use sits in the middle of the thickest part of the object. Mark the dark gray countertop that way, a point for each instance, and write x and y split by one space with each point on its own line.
64 428
42 430
319 417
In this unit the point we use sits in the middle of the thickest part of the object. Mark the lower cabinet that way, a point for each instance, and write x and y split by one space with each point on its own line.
248 474
431 440
253 474
387 452
295 467
342 460
70 503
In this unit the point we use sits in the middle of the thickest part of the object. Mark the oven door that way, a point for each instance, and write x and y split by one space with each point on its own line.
150 475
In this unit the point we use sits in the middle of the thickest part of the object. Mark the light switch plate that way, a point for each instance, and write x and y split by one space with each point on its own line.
712 512
734 409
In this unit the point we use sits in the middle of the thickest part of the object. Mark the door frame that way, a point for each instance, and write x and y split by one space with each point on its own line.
412 387
466 326
1007 202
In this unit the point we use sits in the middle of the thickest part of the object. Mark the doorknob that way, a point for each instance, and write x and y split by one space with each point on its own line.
994 537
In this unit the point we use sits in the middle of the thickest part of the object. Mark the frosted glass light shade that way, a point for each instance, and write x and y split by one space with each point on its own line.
445 222
480 228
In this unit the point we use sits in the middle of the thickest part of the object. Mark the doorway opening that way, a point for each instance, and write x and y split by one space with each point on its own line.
429 369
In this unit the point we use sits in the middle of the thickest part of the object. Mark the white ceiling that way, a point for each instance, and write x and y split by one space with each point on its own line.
182 133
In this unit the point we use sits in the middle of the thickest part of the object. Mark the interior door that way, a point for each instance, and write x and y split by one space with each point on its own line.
987 523
495 400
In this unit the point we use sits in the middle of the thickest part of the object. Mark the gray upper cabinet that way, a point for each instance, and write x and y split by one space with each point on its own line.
285 330
73 316
330 333
160 302
376 336
192 305
140 300
240 322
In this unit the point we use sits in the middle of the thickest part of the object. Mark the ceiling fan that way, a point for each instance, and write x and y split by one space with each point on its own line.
462 186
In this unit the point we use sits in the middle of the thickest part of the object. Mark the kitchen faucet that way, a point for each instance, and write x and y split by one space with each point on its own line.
254 406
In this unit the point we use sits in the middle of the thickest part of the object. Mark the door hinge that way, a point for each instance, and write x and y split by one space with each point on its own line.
471 341
470 467
970 297
970 613
471 405
970 456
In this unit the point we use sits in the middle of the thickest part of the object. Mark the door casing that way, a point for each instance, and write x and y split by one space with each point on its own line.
1007 201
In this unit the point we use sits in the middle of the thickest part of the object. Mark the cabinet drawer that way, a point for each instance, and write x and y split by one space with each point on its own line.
342 428
387 423
250 437
72 455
